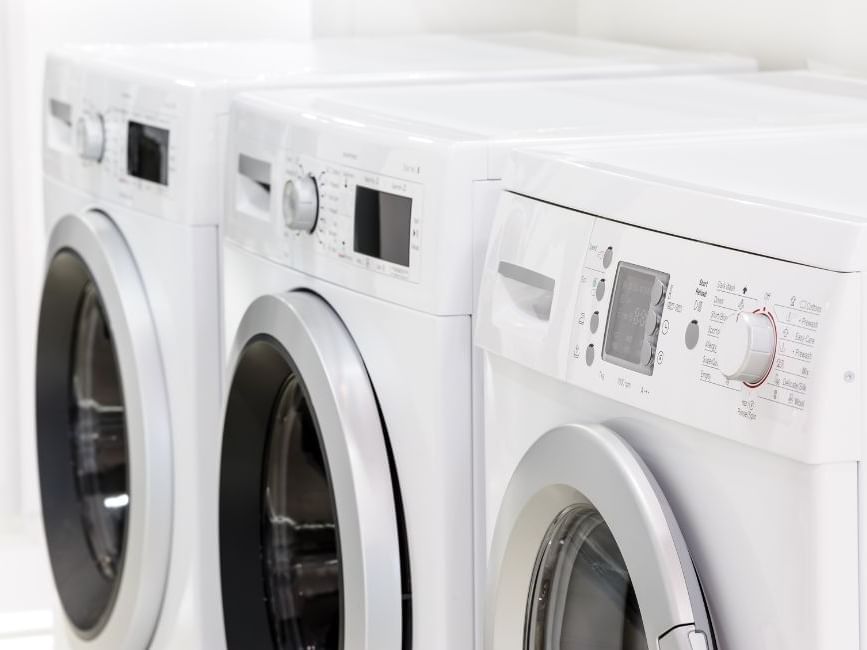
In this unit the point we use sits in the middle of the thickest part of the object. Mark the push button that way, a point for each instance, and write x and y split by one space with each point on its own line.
691 336
600 290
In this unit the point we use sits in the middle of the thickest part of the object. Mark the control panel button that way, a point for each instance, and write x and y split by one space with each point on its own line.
590 354
746 347
607 256
690 338
600 290
594 322
90 136
301 203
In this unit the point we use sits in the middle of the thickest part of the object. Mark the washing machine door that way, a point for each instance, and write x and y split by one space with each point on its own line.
587 554
310 549
103 437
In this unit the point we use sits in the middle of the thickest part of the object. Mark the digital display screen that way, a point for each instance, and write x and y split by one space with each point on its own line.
147 152
631 333
382 225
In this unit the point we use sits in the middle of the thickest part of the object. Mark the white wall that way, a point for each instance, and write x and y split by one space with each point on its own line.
28 28
9 433
370 17
781 33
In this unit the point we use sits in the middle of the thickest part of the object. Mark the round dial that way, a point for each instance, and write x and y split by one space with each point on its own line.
746 347
90 136
301 203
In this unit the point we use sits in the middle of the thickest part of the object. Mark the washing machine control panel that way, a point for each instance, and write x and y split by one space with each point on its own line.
119 146
758 350
720 338
322 209
147 144
365 219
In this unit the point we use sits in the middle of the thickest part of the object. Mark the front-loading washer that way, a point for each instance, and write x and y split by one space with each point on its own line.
387 196
673 355
129 360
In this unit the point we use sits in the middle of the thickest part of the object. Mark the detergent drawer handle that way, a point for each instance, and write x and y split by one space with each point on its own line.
526 276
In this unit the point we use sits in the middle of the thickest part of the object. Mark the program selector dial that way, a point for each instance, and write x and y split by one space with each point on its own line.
746 347
90 136
301 203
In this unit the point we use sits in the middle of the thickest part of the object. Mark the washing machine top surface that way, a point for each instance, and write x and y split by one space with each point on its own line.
393 58
144 125
306 167
773 194
520 112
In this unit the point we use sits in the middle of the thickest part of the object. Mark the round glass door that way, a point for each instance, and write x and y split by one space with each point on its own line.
586 554
103 437
86 443
581 592
310 549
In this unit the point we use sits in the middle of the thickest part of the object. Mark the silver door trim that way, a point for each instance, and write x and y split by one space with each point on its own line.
592 464
343 400
133 618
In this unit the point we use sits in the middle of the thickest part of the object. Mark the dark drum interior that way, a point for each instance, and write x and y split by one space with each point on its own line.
280 554
82 443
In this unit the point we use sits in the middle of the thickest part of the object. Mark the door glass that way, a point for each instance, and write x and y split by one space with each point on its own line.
98 428
299 531
581 594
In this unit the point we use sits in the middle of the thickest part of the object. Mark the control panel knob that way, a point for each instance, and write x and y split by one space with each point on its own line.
90 136
301 203
746 347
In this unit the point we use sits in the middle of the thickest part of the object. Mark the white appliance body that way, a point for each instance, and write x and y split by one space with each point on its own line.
150 198
134 143
753 488
441 153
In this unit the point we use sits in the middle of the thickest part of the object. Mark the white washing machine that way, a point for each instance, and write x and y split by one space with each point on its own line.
674 357
129 355
363 216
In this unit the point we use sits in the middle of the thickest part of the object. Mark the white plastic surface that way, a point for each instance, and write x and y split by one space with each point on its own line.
792 195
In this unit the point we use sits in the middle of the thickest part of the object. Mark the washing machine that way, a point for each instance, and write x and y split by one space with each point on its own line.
672 349
362 216
129 361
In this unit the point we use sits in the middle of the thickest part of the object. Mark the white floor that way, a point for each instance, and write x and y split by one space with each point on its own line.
26 592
